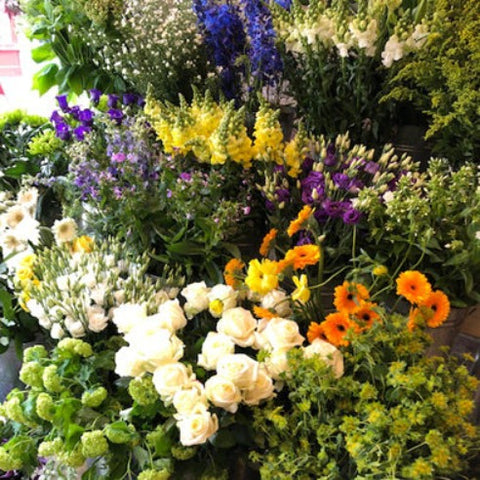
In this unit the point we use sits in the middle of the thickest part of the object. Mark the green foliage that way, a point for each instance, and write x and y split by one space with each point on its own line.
382 419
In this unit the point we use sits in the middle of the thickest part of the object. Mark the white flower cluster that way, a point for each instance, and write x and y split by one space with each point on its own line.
321 28
154 347
77 292
18 227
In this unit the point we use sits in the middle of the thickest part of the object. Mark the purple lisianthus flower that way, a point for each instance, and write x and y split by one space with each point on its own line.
62 102
304 238
95 95
86 116
330 160
321 215
56 117
372 168
314 180
80 132
334 208
140 101
307 165
116 115
341 180
282 195
112 100
129 98
279 169
62 131
355 185
269 205
351 216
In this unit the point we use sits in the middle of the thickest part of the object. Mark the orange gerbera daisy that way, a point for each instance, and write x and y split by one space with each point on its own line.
303 216
303 255
316 330
336 326
264 313
267 242
439 304
349 296
415 318
414 286
366 314
231 272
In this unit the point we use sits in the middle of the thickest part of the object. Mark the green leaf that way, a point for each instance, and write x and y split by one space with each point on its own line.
44 79
43 53
6 301
141 456
223 439
186 248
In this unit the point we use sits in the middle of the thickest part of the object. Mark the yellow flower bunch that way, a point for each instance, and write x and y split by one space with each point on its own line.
268 133
25 278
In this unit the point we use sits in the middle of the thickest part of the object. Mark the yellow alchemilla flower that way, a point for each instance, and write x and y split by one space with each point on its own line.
302 292
83 244
262 277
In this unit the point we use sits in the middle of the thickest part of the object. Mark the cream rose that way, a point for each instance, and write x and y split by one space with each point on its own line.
126 316
238 368
129 363
190 400
223 393
261 389
97 320
75 327
276 363
221 298
196 295
329 353
170 316
197 428
215 346
277 300
282 334
170 378
239 324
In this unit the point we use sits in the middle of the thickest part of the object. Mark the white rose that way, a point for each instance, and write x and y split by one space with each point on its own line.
223 393
170 378
221 298
190 400
239 368
239 324
129 363
97 320
126 316
215 346
282 334
329 353
276 363
170 316
197 428
75 327
196 295
261 389
277 300
57 331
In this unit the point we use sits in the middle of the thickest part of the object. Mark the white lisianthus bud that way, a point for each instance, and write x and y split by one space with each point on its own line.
97 320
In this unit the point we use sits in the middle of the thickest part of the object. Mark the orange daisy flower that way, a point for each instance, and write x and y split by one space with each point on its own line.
439 304
336 326
303 255
349 296
316 330
415 318
231 272
264 313
414 286
366 314
267 242
295 225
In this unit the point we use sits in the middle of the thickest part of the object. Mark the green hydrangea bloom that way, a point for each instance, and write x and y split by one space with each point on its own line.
143 391
44 407
181 452
34 353
31 374
7 462
51 380
154 475
95 398
94 444
76 346
50 448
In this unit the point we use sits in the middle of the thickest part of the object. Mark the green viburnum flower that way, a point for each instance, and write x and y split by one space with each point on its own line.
13 410
51 380
181 452
31 374
75 346
44 407
34 353
94 399
7 462
120 432
75 458
143 391
94 444
154 475
50 448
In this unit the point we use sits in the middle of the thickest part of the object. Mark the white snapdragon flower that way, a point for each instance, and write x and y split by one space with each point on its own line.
393 51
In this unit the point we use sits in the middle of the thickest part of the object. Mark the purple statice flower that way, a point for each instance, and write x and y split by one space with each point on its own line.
80 132
129 98
95 95
351 216
116 115
341 180
62 131
112 100
314 180
335 209
86 116
62 103
372 168
266 63
331 159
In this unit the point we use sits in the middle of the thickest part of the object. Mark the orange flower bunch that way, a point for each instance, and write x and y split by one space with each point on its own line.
355 312
297 224
429 307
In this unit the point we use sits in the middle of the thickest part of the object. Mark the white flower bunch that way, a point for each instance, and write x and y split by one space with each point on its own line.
75 291
154 347
18 227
